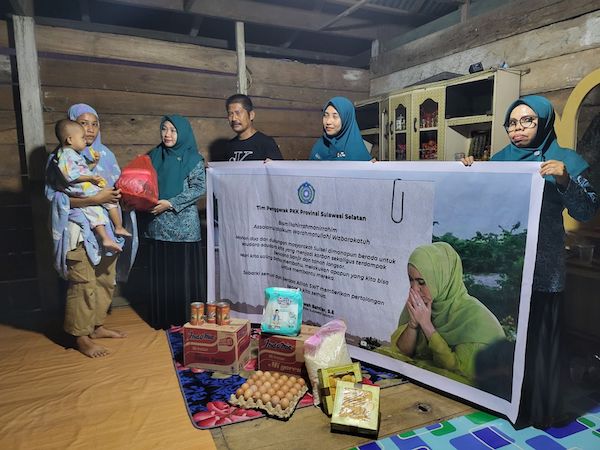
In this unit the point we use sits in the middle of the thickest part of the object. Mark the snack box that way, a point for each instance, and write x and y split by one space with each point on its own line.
356 409
284 353
220 348
328 379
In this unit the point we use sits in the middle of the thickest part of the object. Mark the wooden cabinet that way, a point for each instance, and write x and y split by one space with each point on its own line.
441 121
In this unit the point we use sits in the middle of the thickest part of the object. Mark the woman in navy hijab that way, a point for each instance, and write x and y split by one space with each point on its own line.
529 123
341 140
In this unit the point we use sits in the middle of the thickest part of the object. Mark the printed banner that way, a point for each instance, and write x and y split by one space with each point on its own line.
345 233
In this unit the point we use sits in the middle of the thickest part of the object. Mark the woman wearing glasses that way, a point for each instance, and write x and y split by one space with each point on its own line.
529 123
442 328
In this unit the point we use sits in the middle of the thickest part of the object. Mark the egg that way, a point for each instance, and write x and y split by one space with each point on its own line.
271 391
266 398
248 395
293 391
301 381
263 389
298 387
255 376
275 400
244 386
285 388
280 394
267 384
283 377
292 379
259 372
239 392
276 375
250 381
284 403
276 386
289 396
256 395
267 373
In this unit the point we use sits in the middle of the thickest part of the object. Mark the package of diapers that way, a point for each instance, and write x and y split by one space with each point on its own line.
283 311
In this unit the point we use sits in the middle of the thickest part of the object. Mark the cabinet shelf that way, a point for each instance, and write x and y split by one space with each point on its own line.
457 121
428 129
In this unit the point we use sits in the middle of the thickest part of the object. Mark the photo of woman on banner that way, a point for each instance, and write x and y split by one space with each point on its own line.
442 328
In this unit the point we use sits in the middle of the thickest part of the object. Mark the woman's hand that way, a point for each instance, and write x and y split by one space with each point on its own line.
161 207
421 312
557 169
107 195
467 160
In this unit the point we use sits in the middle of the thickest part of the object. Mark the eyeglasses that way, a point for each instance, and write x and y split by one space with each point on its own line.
525 121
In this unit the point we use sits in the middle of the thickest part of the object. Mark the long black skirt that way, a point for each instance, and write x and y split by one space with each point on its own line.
177 277
541 399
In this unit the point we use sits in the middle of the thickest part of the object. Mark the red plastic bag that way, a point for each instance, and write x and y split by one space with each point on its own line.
139 184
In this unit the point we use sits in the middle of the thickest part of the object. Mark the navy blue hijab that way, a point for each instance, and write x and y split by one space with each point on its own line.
348 143
544 146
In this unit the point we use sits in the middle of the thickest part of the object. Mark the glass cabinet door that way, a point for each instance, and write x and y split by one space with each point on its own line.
399 130
428 125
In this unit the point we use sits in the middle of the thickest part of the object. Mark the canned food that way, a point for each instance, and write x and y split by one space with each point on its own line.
197 313
223 313
211 313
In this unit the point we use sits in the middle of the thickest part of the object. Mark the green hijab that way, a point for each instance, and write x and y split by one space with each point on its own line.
458 317
174 164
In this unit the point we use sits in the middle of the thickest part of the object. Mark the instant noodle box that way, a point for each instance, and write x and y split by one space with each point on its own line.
221 348
284 353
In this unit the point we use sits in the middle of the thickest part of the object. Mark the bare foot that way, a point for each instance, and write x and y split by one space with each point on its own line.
111 245
89 348
121 231
102 332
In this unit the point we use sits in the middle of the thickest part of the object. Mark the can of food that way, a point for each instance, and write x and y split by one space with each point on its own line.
197 313
223 313
211 313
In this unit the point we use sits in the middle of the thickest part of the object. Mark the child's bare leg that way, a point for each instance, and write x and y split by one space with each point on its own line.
115 218
107 242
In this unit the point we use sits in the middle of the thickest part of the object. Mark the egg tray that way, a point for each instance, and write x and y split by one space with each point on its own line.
276 411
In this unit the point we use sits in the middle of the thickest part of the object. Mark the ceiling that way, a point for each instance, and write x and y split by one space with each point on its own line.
326 31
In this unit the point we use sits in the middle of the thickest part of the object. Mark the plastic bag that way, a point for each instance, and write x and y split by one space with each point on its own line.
139 184
283 311
326 348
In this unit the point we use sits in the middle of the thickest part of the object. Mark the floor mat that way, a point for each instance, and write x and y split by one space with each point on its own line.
206 393
482 431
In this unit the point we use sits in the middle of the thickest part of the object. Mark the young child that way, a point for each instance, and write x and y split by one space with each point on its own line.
83 183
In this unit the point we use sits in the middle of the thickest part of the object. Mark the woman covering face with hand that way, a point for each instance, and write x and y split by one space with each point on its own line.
442 327
173 227
341 140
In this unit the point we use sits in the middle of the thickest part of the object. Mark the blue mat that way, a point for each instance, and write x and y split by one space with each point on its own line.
482 431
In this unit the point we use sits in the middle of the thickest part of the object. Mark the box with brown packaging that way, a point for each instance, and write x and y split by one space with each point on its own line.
221 348
284 353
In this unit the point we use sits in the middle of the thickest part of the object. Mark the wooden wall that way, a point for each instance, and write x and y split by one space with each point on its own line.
132 82
557 46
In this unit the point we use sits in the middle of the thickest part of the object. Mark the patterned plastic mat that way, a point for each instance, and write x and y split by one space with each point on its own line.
482 431
206 393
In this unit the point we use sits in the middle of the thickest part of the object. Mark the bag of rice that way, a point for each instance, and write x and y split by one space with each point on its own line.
326 348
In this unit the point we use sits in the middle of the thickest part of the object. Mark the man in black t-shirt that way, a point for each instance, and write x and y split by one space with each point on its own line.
249 144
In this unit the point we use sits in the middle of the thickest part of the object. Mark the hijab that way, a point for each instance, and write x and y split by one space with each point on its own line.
174 164
348 143
544 146
457 316
107 166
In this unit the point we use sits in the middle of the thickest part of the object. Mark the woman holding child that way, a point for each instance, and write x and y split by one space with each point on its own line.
173 227
80 258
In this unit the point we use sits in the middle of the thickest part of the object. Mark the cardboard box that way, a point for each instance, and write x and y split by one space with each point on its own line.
328 379
356 409
220 348
284 353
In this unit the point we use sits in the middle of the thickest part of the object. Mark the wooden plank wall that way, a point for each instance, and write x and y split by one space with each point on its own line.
18 274
557 46
132 82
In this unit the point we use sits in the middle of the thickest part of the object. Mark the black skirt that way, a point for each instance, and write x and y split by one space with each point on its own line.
541 399
177 277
